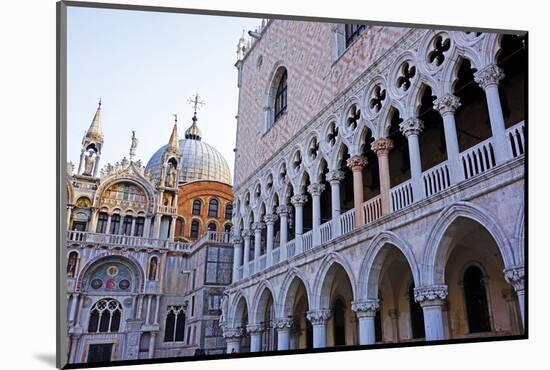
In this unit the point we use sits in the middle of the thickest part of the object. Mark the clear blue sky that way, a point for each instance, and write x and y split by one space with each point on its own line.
145 66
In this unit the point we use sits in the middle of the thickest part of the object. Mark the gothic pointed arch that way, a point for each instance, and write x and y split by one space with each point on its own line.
377 250
261 297
437 247
288 289
113 273
325 276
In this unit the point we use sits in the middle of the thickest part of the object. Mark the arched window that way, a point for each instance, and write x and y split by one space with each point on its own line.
102 223
194 229
339 310
213 208
352 32
179 228
196 207
417 316
228 211
281 97
227 228
212 226
127 225
140 222
115 224
475 295
105 316
153 267
175 324
71 264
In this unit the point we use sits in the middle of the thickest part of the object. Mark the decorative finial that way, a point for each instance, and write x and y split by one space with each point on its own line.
99 104
175 118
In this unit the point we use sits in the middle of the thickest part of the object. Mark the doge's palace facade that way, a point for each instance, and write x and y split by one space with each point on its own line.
379 187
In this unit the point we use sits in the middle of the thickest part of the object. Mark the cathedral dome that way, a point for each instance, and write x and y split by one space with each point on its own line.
200 161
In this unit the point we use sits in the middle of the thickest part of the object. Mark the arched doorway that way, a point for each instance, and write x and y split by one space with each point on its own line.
391 280
337 296
479 299
296 306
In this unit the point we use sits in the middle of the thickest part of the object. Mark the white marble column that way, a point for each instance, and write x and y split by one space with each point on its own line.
366 313
255 333
237 256
382 148
318 319
108 227
447 106
282 211
133 228
74 344
356 164
411 128
152 344
156 226
270 222
488 78
247 234
432 299
334 178
147 227
283 333
173 228
298 202
394 317
257 227
233 339
93 220
516 277
69 215
315 190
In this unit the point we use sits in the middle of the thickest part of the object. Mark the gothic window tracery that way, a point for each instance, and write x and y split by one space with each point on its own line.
105 316
174 328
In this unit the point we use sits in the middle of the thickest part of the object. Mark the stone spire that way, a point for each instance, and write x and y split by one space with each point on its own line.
173 142
94 132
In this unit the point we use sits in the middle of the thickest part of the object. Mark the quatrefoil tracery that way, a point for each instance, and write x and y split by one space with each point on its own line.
440 47
406 76
377 98
353 117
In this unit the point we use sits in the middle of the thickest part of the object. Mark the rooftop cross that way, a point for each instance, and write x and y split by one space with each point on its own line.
196 102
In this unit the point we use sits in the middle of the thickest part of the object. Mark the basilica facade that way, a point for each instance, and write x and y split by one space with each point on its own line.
378 187
139 285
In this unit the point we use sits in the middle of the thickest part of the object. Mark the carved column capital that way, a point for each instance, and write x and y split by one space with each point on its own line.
254 329
232 333
448 103
318 317
490 75
247 234
433 295
316 189
282 210
382 146
284 323
365 308
299 200
516 277
236 239
258 226
270 219
335 176
411 126
357 162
